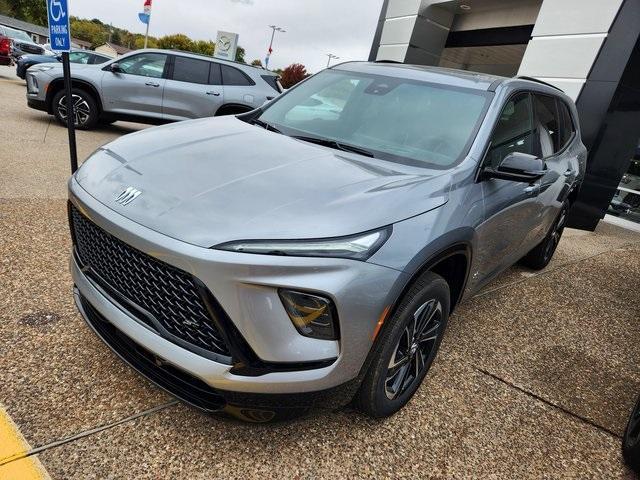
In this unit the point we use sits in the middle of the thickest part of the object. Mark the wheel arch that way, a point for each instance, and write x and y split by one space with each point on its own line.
58 84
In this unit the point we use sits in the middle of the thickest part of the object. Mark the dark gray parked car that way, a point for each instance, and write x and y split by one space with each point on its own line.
631 440
84 57
287 257
152 86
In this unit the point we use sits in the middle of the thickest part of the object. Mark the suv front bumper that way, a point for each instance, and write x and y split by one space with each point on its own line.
246 287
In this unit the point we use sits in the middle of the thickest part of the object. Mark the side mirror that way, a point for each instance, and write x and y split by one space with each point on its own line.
518 167
115 68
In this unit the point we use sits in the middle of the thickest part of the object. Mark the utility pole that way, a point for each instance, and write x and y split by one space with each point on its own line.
146 33
331 57
274 29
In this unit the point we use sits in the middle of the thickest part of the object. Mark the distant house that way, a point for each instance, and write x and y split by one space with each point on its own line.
113 50
37 33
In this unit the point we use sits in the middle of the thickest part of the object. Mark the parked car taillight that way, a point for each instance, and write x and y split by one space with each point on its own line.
5 46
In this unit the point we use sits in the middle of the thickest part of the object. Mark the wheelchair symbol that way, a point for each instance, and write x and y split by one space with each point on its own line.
57 11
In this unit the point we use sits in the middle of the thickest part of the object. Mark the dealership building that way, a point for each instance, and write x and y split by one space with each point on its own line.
588 48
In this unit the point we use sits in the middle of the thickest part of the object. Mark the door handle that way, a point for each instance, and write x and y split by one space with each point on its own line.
215 94
152 84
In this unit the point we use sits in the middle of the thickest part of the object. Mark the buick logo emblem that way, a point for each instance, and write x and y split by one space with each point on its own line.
128 196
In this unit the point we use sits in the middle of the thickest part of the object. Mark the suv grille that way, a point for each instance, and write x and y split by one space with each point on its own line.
28 48
170 295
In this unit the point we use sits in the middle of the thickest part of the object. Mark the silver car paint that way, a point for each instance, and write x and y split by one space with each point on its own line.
210 181
127 94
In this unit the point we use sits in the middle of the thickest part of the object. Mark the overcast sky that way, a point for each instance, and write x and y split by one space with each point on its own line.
314 27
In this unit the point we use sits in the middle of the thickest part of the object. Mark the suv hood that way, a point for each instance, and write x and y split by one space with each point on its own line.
215 180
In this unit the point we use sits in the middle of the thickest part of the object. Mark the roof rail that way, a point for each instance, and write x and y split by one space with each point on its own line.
533 79
211 57
387 61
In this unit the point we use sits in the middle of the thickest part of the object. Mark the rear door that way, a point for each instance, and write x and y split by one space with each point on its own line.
193 89
239 87
138 88
555 185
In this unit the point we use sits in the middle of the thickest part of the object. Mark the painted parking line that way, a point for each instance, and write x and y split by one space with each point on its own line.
14 462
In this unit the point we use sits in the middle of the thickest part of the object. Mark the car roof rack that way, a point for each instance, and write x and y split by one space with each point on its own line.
537 80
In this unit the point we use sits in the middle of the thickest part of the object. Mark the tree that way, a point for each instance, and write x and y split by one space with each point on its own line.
205 47
293 74
240 53
178 41
34 11
89 31
257 63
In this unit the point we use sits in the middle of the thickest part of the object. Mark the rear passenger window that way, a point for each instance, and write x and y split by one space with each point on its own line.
566 124
514 131
547 124
233 76
191 70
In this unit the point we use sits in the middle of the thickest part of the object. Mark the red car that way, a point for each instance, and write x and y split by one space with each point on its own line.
5 50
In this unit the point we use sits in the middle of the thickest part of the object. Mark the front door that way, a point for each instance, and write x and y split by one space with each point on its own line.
512 212
138 87
193 89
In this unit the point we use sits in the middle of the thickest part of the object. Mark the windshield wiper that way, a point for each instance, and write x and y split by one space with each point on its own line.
334 144
265 125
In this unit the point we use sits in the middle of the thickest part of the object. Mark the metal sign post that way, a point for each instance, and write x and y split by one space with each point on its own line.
60 39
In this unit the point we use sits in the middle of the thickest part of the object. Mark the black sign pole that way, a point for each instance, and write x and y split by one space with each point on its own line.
71 127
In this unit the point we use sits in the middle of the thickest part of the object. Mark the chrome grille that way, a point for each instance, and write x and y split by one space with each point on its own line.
171 296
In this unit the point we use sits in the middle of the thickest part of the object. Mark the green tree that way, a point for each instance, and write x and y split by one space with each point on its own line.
89 31
240 53
257 62
178 41
205 47
34 11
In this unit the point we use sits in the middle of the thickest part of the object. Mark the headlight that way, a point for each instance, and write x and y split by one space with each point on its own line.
312 315
357 247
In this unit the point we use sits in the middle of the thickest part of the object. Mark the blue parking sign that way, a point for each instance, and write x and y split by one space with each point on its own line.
59 31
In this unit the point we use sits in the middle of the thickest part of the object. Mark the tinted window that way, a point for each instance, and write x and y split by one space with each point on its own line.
547 124
97 59
145 64
273 82
233 76
514 131
215 76
191 70
566 124
396 119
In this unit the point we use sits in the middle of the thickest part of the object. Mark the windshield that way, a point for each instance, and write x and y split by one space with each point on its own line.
392 118
18 35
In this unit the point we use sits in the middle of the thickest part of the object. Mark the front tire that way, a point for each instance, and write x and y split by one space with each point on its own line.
541 255
85 109
631 440
406 348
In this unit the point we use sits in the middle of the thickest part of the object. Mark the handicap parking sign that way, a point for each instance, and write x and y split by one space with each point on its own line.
59 31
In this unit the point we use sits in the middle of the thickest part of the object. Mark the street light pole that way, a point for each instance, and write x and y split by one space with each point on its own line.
331 57
274 29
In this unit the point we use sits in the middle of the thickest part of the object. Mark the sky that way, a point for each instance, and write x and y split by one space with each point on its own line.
313 27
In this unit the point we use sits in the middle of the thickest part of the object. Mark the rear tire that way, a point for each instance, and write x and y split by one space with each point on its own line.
406 348
85 108
541 255
631 440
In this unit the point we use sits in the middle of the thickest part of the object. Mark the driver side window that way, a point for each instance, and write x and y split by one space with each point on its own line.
144 65
514 131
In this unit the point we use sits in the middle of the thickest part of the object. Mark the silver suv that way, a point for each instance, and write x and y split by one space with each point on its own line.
290 257
151 86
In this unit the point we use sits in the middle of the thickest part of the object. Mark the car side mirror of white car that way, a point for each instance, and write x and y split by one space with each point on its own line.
115 68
